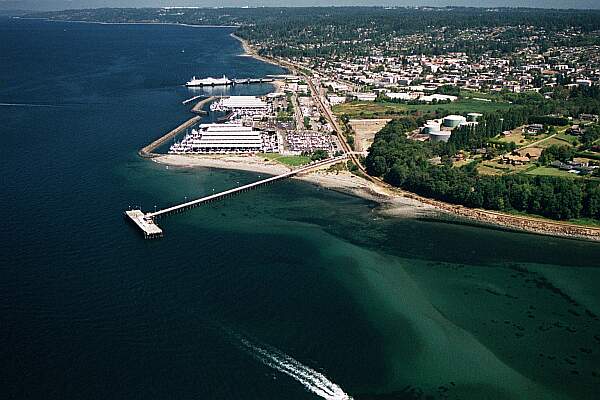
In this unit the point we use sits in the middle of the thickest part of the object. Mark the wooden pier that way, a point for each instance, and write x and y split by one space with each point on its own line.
145 221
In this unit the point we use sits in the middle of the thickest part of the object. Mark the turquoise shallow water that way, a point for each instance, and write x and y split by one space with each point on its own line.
364 304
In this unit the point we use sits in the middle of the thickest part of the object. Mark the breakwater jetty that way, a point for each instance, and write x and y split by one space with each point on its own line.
148 151
197 109
146 221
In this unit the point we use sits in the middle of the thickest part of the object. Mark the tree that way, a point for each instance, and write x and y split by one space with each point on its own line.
319 155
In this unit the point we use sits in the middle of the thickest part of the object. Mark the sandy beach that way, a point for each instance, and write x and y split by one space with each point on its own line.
392 201
241 162
340 181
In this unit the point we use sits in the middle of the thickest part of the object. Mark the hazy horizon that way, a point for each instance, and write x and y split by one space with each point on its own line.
75 4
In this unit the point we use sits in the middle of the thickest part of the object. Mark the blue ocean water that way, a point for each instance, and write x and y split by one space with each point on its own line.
288 292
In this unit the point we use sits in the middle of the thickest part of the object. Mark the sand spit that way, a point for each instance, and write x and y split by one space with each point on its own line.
243 163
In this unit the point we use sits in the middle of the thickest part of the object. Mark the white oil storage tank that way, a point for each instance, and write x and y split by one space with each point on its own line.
439 136
452 121
472 117
431 126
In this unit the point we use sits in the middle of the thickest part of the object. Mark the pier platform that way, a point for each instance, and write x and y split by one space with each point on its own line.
149 229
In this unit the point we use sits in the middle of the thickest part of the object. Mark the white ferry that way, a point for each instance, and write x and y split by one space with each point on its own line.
224 81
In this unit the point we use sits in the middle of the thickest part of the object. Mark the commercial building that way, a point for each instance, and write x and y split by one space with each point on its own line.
242 105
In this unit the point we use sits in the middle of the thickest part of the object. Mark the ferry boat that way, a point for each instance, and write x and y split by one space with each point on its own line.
224 81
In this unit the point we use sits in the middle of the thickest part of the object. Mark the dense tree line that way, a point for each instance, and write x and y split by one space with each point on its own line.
327 31
406 163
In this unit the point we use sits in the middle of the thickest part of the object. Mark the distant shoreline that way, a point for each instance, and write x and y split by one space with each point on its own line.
251 52
125 23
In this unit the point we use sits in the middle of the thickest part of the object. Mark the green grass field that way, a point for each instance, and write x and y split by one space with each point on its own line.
291 161
568 139
365 109
576 221
549 171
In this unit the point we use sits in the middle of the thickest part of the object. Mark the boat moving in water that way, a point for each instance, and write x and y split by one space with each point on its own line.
224 81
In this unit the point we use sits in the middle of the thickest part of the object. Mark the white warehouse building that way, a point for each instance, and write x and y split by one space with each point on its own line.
243 104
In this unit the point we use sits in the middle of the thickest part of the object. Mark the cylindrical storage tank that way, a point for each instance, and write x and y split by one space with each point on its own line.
439 136
472 117
452 121
431 126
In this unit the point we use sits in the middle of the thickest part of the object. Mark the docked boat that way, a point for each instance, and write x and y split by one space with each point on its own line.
224 81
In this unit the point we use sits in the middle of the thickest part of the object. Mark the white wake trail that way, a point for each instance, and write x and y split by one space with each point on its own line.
28 105
308 377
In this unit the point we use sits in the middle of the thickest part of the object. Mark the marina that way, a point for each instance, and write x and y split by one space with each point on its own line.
147 151
221 139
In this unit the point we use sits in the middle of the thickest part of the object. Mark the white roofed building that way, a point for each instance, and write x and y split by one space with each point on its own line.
220 138
242 105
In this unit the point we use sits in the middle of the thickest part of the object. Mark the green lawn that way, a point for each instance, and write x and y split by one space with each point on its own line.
518 137
291 161
549 171
471 94
366 109
568 139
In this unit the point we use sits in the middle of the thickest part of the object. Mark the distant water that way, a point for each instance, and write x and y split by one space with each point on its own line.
289 292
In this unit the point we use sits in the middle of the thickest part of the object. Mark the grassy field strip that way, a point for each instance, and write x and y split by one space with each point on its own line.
291 161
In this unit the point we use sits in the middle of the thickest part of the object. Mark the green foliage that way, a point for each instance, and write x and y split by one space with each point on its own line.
319 155
284 116
591 134
556 153
307 122
548 120
449 90
404 163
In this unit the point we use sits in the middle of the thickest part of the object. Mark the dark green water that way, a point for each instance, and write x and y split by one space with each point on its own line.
289 292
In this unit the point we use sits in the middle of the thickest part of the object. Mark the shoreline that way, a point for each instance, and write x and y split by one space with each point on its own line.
250 51
392 201
124 23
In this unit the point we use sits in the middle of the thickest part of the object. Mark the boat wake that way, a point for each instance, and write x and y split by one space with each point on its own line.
29 105
312 380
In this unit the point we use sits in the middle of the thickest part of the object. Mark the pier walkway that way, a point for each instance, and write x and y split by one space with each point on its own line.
145 221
